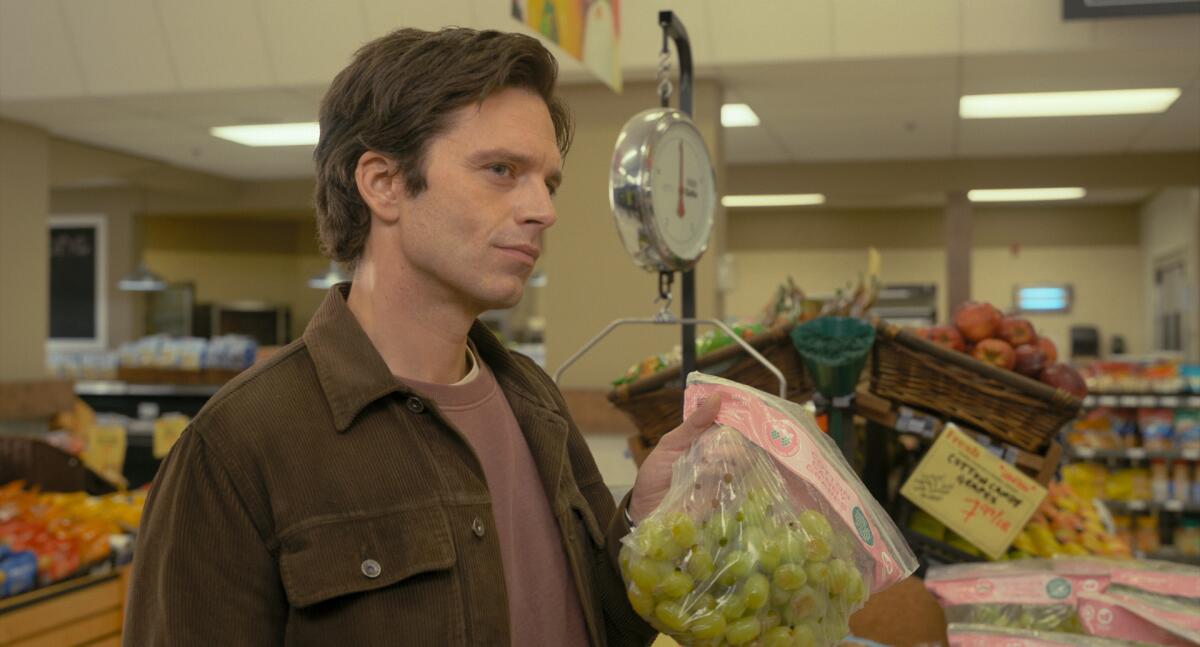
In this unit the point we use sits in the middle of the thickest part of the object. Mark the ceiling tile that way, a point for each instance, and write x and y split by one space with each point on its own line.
37 56
1058 136
1176 129
385 16
217 44
869 27
121 46
206 109
770 30
1149 31
1093 70
1020 25
310 41
752 145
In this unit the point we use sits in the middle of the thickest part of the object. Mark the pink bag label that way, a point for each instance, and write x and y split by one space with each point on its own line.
795 449
1026 588
970 638
1159 582
1103 615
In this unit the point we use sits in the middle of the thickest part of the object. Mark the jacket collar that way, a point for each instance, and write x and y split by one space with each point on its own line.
353 375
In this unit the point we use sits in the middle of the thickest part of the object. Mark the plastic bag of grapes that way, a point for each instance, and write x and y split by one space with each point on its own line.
969 635
766 536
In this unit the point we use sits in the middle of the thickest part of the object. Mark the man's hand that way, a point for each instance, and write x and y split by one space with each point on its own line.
654 477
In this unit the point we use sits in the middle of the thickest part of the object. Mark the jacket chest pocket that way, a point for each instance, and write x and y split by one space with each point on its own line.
373 580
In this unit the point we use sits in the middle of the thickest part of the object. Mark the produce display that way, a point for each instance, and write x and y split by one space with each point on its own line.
705 344
1010 343
1120 600
48 537
1145 376
1067 524
765 537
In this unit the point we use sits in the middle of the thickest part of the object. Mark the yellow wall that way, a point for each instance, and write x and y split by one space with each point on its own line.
243 258
1096 249
24 250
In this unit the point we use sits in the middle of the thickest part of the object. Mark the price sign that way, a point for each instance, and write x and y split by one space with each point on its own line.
1129 401
1173 505
979 496
1085 452
1136 453
1169 401
167 431
105 451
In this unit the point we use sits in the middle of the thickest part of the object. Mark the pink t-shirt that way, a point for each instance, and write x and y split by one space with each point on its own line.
543 605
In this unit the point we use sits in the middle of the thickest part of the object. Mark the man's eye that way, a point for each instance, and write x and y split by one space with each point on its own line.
553 190
500 169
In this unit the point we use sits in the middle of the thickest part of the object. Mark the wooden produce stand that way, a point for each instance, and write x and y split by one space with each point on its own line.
86 610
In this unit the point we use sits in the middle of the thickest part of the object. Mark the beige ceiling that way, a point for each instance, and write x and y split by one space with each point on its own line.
831 79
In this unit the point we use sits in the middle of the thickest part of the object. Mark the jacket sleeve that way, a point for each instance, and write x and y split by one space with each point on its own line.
202 574
622 625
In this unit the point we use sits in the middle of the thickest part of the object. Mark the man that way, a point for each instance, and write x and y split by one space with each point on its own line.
397 476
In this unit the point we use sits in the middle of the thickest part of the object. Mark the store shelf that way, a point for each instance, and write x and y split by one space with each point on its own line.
117 388
1143 400
1152 506
1133 453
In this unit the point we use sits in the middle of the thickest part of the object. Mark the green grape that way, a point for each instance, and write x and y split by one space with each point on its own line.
816 525
720 528
818 574
790 577
843 547
647 573
795 548
707 625
771 619
675 585
803 636
754 512
752 539
625 556
641 601
819 549
839 577
805 604
777 637
683 530
704 602
671 615
779 597
700 563
733 606
734 566
743 631
770 552
756 589
857 592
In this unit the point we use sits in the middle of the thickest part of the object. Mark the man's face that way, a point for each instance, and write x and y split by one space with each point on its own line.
475 232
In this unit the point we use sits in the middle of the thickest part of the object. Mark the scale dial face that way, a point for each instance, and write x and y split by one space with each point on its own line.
663 190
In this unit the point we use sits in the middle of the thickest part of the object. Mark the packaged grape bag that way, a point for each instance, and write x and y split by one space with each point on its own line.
766 535
972 635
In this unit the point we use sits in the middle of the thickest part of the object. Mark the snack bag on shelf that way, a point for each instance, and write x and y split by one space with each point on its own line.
1125 618
1187 429
765 534
1157 428
969 635
1033 594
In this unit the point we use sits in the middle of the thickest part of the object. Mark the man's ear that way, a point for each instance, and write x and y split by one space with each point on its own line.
380 185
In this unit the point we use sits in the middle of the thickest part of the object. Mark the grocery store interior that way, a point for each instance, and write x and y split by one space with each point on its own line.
944 221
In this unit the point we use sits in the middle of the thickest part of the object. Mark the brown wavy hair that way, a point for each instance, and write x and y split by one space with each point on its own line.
399 93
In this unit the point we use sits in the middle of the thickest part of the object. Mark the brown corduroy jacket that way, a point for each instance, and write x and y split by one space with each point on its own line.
318 501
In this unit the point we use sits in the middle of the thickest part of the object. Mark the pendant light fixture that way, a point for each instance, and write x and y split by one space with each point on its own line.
142 279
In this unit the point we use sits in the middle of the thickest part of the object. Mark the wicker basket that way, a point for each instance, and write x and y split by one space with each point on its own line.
49 468
653 402
1006 405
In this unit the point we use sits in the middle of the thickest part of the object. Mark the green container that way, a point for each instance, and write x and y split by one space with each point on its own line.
834 350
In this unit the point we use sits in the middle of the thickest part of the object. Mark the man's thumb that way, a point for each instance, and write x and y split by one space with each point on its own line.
694 425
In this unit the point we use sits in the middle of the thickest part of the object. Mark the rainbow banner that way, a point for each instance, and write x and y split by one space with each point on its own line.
587 30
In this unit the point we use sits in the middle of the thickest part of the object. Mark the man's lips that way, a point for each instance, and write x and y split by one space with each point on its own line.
528 253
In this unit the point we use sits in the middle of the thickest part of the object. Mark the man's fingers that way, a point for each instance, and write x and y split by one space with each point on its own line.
701 419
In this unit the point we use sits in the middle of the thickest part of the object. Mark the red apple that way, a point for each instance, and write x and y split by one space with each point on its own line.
977 321
947 336
1061 376
922 332
1017 332
1048 348
1030 361
996 352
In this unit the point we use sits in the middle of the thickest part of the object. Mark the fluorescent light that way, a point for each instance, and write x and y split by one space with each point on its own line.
1026 195
738 115
782 200
296 134
1066 104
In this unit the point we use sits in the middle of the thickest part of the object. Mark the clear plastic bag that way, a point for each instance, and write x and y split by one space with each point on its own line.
765 534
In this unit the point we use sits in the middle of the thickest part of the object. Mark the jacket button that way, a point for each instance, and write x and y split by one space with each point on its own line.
371 568
415 405
477 527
